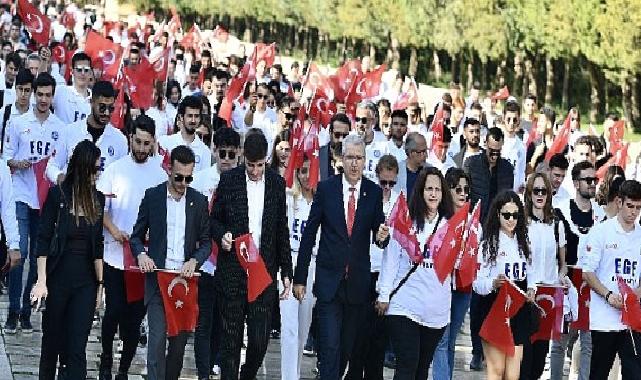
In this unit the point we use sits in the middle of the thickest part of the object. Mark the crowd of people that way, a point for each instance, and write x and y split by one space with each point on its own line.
97 189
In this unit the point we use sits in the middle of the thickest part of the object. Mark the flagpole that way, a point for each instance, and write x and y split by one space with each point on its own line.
173 271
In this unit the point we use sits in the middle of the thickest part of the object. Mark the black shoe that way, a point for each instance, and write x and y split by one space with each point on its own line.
476 364
25 324
104 370
11 325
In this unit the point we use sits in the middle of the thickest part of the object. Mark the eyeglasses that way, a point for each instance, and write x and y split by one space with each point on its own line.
226 154
102 108
353 158
83 70
262 96
183 178
510 215
422 151
384 183
95 169
540 191
338 135
494 152
361 119
589 180
462 190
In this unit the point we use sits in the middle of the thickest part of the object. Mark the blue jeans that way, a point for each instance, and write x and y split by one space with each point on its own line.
443 362
28 223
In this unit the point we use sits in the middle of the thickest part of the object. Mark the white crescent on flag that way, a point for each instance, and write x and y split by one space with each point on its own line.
40 27
542 297
177 281
159 64
108 57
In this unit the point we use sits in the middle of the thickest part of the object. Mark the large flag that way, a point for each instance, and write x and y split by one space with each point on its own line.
560 140
160 61
445 247
42 182
258 279
104 53
620 158
180 300
36 23
583 289
550 300
265 52
402 229
616 135
631 313
496 328
140 83
315 80
406 98
367 86
469 263
134 278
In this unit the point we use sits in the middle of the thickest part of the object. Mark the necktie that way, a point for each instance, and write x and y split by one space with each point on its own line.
351 210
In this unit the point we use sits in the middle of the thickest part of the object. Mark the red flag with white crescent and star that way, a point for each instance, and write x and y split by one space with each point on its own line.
468 266
160 61
36 23
134 278
446 251
550 300
104 53
402 229
631 312
496 328
180 300
258 279
582 287
166 158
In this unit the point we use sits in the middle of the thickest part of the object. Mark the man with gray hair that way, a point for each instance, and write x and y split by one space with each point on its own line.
416 150
375 141
343 277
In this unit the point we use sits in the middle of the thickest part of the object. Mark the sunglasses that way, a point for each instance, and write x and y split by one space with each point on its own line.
262 96
338 135
95 169
462 190
290 116
510 215
226 154
102 108
361 119
589 180
183 178
203 136
384 183
540 191
494 152
83 70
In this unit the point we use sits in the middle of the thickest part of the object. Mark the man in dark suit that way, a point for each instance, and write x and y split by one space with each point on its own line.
249 199
349 208
175 217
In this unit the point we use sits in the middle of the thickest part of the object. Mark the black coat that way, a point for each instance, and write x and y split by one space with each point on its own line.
478 168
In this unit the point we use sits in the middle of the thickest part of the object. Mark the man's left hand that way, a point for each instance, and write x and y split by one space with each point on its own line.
287 284
14 257
188 269
383 233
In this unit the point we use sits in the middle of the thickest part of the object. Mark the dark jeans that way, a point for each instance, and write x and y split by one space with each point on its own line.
605 346
124 317
66 324
533 362
476 321
28 224
208 329
414 346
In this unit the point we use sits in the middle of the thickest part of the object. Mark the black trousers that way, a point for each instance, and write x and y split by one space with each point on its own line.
120 316
66 324
605 346
235 311
414 347
533 362
366 361
208 328
476 321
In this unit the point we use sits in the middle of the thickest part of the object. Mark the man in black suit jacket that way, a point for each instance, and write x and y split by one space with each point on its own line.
349 208
250 198
175 216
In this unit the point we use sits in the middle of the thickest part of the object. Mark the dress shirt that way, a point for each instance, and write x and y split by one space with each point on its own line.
346 194
255 205
175 232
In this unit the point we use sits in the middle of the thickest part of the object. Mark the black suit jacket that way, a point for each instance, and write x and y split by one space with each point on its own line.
230 214
152 218
337 251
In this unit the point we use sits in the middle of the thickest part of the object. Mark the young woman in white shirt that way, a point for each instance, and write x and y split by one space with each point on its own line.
296 317
505 255
416 323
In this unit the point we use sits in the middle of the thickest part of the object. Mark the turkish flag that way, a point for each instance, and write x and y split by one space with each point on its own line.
174 23
345 77
180 298
69 20
68 58
631 313
315 80
437 128
140 83
560 140
192 39
312 151
233 91
258 279
36 23
322 108
501 94
469 264
266 53
446 251
368 85
534 134
297 144
134 278
406 98
118 116
550 300
160 61
42 182
166 158
616 134
583 322
402 229
104 53
59 54
496 328
620 158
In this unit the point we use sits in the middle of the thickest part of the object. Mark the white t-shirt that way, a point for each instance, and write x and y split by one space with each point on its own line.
432 160
514 151
15 112
206 181
8 207
267 122
375 253
297 213
395 151
373 153
201 151
69 105
162 123
611 252
543 246
124 184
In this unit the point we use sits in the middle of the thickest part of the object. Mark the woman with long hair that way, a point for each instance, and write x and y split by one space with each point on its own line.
415 325
505 255
611 174
281 152
70 248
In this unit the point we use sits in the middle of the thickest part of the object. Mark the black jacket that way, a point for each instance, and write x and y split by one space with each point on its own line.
478 168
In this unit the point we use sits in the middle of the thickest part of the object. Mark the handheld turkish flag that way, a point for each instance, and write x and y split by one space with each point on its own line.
36 23
403 231
446 251
534 133
59 54
616 135
134 278
140 83
160 61
367 86
322 109
166 158
180 298
550 301
69 20
345 77
407 97
468 265
297 142
42 182
192 39
496 328
68 58
437 128
174 23
315 80
631 313
265 52
501 94
258 279
105 53
118 116
620 158
312 151
560 140
583 322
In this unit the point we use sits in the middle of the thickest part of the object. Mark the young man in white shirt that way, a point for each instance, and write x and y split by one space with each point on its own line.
438 156
262 117
612 251
189 113
513 148
557 170
21 104
375 142
398 129
97 128
124 184
71 103
32 136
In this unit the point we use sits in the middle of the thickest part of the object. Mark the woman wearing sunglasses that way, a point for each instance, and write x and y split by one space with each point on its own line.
505 255
459 185
415 302
70 248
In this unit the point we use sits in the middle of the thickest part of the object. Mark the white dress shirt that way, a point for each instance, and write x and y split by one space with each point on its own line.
8 207
255 205
175 232
347 193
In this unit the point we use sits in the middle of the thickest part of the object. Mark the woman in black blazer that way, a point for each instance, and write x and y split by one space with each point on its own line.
70 265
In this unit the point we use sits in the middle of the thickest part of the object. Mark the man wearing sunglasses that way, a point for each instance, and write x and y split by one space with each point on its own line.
375 141
96 128
71 103
513 148
260 116
339 127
